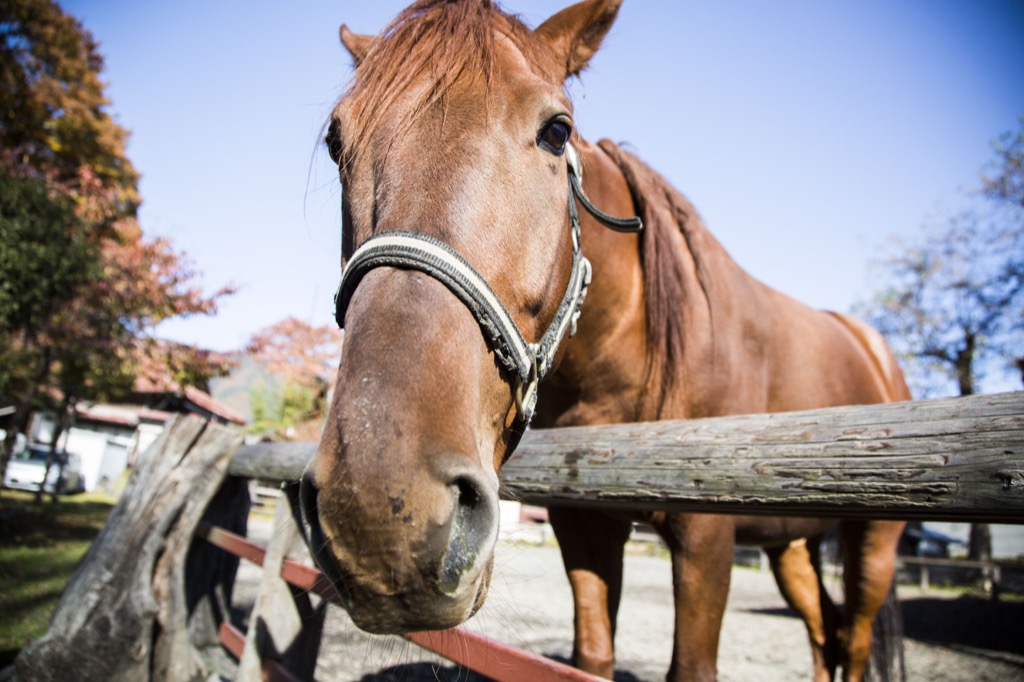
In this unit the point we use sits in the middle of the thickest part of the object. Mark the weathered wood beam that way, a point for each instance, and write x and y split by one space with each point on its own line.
124 613
958 459
272 461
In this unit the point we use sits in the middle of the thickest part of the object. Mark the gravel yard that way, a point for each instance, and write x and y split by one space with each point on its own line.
949 637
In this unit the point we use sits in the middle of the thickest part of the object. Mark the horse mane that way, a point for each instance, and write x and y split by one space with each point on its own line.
445 40
668 270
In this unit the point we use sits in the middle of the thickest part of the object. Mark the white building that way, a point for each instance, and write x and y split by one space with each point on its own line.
106 438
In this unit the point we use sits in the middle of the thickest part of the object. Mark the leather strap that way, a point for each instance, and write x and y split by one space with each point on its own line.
527 362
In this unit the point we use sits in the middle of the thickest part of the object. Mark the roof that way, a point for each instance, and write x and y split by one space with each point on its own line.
155 386
158 405
121 415
207 402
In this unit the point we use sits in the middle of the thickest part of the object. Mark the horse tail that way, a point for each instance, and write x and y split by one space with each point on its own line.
887 662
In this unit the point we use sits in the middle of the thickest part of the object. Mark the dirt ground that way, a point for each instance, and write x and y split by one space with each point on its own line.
948 637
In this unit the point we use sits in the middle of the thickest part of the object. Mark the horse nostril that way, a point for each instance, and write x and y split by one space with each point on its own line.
473 531
468 495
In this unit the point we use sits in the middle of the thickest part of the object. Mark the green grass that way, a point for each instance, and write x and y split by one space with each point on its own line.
39 547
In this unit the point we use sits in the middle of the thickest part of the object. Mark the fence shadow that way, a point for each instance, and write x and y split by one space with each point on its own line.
981 625
424 672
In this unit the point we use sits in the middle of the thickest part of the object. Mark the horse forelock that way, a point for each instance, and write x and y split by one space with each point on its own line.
441 42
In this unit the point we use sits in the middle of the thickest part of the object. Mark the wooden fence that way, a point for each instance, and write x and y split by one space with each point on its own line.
150 599
957 459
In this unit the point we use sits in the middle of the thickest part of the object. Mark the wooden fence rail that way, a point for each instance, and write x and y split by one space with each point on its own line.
957 459
148 602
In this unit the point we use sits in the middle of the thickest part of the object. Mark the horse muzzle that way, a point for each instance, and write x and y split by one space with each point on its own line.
423 562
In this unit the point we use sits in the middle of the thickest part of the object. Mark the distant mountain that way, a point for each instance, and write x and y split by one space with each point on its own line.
235 390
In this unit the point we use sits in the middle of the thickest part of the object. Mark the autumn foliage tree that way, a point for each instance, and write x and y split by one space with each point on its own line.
81 287
304 357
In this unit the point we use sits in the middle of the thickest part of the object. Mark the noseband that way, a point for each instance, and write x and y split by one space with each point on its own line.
527 362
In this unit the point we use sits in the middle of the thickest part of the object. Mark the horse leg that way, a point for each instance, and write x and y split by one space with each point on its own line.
868 570
592 546
797 570
702 555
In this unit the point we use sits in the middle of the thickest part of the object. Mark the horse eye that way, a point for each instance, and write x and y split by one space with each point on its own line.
333 141
554 136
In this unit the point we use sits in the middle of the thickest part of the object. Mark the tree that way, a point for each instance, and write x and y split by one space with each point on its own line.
37 230
162 365
955 300
1007 185
1006 188
82 287
953 304
305 358
53 112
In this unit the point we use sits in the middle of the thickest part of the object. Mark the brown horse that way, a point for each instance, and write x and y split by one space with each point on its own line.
460 171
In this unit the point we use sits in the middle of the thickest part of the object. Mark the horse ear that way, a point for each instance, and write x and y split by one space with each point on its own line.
356 44
576 32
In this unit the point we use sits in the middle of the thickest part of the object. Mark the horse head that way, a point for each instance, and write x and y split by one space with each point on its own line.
454 146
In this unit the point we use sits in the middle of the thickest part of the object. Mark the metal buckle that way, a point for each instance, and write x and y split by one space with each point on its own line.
526 392
584 287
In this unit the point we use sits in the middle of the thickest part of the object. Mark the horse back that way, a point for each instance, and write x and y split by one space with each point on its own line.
884 365
818 358
722 342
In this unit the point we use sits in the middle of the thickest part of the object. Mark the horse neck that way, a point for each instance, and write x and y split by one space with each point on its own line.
599 377
615 366
669 302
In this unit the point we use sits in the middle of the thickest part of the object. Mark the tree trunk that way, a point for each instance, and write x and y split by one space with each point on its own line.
979 547
58 430
965 365
195 580
19 423
980 542
124 603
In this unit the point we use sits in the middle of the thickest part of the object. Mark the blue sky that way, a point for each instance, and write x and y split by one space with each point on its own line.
805 132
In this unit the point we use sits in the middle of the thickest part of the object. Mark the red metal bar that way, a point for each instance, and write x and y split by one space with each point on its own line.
476 652
310 579
493 659
230 542
232 639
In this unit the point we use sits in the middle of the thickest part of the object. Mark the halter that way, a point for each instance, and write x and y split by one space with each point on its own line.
527 362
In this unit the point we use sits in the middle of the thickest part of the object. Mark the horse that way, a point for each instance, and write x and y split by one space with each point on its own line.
500 270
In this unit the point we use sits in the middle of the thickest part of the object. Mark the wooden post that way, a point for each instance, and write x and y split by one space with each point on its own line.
209 577
123 597
284 625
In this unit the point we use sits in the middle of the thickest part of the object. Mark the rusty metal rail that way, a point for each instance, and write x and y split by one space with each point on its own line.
485 656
